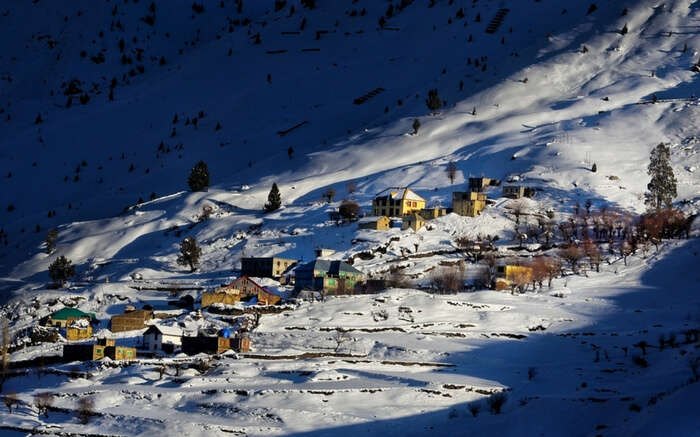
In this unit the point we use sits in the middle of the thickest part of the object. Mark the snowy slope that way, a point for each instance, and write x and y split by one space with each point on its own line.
553 123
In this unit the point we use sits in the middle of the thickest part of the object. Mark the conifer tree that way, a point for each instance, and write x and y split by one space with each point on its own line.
51 238
662 187
416 126
274 199
189 253
61 269
433 101
199 177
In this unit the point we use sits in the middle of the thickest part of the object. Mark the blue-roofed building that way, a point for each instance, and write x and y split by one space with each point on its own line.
331 277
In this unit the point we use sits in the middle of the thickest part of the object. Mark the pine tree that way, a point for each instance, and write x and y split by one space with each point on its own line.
51 238
189 253
416 126
662 187
61 269
199 177
433 102
274 199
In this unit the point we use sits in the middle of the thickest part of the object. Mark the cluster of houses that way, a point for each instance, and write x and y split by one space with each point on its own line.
328 276
411 207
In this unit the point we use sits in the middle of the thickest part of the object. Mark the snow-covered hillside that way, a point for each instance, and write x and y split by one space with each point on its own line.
105 106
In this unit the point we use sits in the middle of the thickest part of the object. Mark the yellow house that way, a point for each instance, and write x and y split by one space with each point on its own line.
508 273
77 332
413 221
469 204
397 202
375 223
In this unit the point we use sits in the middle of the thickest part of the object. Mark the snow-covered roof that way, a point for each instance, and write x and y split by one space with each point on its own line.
370 219
167 330
401 193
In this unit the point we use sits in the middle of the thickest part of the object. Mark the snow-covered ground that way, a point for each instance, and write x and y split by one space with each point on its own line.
538 108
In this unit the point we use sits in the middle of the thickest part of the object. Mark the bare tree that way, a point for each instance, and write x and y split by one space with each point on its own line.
518 208
572 254
593 254
340 338
10 400
539 271
85 411
351 187
519 280
42 402
448 279
451 171
553 268
329 194
161 372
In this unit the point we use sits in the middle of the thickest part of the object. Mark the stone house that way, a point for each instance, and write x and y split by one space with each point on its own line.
432 213
514 191
469 203
397 203
413 221
479 184
382 223
331 277
105 347
219 344
65 316
162 338
266 267
130 320
224 295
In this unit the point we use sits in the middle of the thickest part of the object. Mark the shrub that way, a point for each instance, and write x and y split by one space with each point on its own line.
349 209
329 194
61 269
10 400
43 401
474 408
531 373
641 362
496 401
198 179
85 409
448 279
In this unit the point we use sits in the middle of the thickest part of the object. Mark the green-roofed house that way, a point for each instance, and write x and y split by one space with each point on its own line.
331 277
63 317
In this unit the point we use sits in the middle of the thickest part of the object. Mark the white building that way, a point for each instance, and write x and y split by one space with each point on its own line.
162 338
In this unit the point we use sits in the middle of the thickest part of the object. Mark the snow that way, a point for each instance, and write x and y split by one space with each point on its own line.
403 359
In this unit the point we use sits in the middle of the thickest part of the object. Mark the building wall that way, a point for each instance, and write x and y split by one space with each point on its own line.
271 267
413 222
468 204
505 274
130 321
73 334
265 298
120 352
209 298
381 224
386 206
515 191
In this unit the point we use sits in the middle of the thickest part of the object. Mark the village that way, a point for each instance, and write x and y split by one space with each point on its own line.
272 284
269 282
